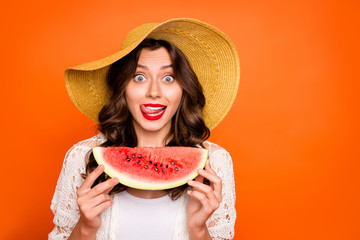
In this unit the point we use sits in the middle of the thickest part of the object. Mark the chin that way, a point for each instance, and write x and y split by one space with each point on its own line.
149 126
154 128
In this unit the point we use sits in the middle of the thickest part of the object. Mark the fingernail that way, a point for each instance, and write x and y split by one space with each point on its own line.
190 182
189 192
115 180
201 170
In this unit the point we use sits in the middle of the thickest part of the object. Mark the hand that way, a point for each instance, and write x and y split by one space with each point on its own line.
93 201
204 199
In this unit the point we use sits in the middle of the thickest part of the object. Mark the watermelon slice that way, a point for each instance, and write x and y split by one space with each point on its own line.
151 168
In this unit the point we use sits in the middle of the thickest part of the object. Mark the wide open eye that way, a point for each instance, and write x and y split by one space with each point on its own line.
139 78
169 78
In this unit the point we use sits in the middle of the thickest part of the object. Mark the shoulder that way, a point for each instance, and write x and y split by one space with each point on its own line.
218 156
77 153
214 148
90 142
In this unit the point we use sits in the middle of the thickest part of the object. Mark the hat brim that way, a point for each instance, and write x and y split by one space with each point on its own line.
211 54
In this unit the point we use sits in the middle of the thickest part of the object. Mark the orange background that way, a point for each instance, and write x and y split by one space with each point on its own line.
292 132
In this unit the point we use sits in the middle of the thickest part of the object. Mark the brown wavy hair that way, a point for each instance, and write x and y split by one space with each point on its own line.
115 121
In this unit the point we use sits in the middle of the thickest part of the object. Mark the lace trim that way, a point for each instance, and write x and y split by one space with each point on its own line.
66 211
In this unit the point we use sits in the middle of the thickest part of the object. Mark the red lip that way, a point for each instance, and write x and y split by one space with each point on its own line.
147 113
153 105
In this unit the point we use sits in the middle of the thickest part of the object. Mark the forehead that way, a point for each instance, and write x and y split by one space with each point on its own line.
158 56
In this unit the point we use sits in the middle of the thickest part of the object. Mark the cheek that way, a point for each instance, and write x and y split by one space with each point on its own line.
131 101
132 94
128 98
176 96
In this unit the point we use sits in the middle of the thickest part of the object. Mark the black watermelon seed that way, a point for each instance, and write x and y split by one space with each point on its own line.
139 156
133 155
163 170
167 166
128 159
176 169
155 164
172 163
156 169
138 161
146 167
161 164
150 162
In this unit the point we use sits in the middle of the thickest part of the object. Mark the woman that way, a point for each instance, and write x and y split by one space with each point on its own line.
152 97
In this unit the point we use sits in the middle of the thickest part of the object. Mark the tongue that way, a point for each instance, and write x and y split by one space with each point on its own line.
148 111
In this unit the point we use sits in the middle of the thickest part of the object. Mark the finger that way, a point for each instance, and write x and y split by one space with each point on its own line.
212 177
104 187
209 173
209 205
97 200
205 189
215 180
101 207
87 205
208 167
90 179
204 201
199 178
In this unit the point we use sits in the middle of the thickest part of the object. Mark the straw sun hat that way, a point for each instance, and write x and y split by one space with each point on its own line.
209 51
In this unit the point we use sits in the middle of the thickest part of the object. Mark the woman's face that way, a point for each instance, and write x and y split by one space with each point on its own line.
153 95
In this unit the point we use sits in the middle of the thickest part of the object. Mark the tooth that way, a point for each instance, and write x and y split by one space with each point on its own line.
155 114
154 108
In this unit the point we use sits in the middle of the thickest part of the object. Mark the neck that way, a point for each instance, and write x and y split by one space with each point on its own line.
148 194
151 138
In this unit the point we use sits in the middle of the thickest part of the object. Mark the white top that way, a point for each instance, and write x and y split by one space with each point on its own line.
150 219
66 211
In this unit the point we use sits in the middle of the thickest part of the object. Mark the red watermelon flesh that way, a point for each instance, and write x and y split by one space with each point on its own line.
151 168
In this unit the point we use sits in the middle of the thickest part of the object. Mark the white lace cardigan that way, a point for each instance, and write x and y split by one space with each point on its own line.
66 211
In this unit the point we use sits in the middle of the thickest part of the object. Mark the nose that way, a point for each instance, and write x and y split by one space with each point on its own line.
154 89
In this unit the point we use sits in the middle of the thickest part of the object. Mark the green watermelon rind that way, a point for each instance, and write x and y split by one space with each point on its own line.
133 183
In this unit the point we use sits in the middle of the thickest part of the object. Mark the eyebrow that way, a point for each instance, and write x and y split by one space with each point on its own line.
163 67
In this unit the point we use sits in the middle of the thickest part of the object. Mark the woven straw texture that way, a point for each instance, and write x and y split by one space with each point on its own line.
210 52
